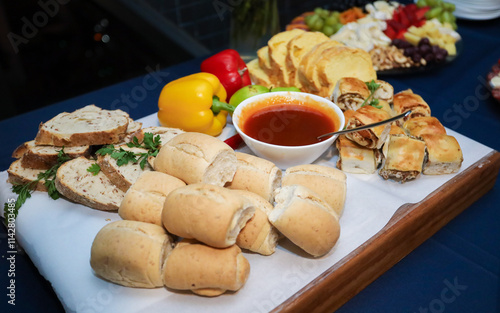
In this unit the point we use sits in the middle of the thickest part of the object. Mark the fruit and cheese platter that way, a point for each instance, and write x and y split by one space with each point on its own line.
204 206
401 39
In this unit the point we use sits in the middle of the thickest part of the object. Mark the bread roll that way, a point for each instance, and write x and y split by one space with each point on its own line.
197 158
257 175
327 182
211 214
258 235
145 198
304 218
205 270
130 253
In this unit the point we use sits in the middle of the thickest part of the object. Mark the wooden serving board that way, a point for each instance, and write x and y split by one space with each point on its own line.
410 226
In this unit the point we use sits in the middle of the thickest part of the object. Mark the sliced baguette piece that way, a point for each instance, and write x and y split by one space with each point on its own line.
257 175
277 54
299 46
87 126
304 218
197 158
79 185
44 157
134 129
165 133
123 176
327 182
258 235
19 175
205 270
145 198
264 62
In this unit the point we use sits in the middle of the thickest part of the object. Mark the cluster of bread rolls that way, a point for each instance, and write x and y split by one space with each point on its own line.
310 61
400 151
187 222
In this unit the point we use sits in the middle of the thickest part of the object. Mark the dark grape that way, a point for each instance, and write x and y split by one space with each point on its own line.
439 57
435 49
416 57
425 49
398 43
410 50
429 57
424 41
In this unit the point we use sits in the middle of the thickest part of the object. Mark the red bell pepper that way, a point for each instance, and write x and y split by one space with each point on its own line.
229 68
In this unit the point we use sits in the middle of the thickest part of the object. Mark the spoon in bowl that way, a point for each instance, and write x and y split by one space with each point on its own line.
345 131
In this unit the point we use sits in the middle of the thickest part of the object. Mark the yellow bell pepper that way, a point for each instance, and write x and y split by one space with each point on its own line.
194 103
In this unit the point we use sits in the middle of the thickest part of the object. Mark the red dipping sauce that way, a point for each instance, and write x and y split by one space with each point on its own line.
289 124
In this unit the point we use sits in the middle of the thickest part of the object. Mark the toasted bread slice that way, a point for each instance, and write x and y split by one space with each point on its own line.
257 74
19 175
77 184
44 157
277 54
307 71
87 126
342 61
299 46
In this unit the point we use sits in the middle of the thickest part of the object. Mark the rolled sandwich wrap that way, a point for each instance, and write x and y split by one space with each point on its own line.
257 175
423 125
385 91
356 159
205 270
443 154
144 200
350 93
407 100
404 158
258 235
372 138
305 219
197 158
211 214
130 253
327 182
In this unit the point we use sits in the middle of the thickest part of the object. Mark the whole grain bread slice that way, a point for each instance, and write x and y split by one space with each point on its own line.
77 184
19 175
126 175
89 125
44 157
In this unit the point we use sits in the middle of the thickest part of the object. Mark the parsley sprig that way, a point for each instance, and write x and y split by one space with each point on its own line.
24 191
372 87
150 143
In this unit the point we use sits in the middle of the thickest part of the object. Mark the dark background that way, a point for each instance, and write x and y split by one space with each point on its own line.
51 50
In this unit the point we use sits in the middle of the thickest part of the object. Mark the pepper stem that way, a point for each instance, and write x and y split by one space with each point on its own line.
218 106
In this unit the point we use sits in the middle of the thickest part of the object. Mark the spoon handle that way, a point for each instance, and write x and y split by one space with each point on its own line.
345 131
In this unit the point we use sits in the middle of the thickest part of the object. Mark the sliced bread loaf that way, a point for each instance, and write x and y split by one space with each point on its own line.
44 157
90 125
19 175
257 74
277 54
75 183
297 48
122 176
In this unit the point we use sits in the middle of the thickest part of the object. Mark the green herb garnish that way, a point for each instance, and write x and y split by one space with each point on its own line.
372 87
150 143
24 191
94 169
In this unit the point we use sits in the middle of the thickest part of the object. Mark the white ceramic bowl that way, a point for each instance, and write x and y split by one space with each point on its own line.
287 156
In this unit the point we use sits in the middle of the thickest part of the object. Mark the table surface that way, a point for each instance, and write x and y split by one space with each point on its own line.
456 270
